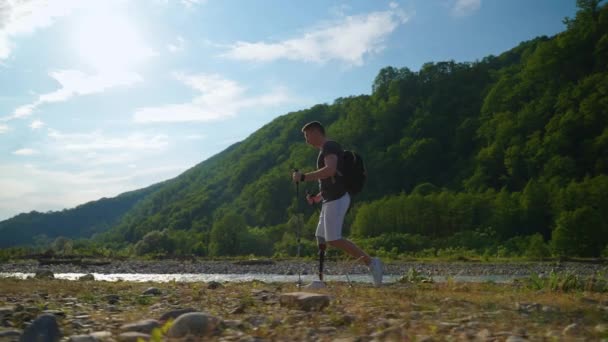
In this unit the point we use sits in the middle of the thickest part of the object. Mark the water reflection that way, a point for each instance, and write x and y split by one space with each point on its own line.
269 278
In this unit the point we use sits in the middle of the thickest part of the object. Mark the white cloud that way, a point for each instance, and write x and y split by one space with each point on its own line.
3 128
349 40
75 83
23 111
21 17
36 124
96 141
178 46
97 148
219 99
465 7
104 37
25 152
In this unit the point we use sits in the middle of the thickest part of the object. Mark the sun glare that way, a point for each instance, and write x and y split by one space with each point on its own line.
109 41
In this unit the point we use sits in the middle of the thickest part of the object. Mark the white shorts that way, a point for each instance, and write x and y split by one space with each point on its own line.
332 218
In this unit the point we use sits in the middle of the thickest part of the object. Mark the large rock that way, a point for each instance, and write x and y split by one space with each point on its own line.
174 314
197 324
44 274
144 326
304 301
43 329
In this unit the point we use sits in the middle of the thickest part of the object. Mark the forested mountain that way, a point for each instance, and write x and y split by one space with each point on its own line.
508 154
81 222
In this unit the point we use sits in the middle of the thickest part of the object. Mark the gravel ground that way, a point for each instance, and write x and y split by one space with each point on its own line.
65 310
309 267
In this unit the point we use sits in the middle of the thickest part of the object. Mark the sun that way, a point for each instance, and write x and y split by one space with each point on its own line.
109 41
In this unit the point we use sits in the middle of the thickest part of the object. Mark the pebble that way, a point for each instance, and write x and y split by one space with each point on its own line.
233 324
10 334
87 277
257 321
152 291
212 285
82 338
57 313
573 330
305 301
144 326
133 336
174 314
397 333
44 274
112 298
484 334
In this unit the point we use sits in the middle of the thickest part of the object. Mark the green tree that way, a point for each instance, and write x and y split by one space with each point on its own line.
227 235
579 233
155 242
62 245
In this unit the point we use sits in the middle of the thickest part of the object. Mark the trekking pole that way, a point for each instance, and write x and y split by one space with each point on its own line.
299 283
321 247
297 207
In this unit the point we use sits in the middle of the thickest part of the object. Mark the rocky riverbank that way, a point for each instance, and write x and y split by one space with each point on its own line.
309 267
125 311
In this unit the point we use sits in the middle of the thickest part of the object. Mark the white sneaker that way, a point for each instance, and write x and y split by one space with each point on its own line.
375 267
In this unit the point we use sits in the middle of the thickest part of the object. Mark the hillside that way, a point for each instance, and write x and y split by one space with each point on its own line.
83 221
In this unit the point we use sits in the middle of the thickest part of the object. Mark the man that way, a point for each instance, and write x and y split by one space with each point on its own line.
334 196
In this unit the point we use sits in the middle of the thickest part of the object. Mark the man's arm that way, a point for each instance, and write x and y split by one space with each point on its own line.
329 170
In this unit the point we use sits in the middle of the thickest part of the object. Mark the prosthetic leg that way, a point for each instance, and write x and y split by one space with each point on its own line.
319 284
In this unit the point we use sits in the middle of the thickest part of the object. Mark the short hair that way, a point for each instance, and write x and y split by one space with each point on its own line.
314 125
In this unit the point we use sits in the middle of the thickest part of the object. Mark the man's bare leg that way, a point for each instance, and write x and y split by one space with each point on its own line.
351 249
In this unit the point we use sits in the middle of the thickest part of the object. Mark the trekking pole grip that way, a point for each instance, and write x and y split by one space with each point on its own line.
297 184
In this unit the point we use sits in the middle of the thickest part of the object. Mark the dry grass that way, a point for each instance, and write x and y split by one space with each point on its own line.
413 310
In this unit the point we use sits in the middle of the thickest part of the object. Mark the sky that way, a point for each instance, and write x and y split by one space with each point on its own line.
102 97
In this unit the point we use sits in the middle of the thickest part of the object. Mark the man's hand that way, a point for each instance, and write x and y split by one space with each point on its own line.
312 199
296 176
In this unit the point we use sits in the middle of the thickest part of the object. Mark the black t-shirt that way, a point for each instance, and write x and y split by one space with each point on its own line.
331 188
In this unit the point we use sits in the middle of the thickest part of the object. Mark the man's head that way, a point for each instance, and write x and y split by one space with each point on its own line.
314 133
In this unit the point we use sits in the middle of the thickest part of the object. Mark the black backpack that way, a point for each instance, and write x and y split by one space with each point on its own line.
353 171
